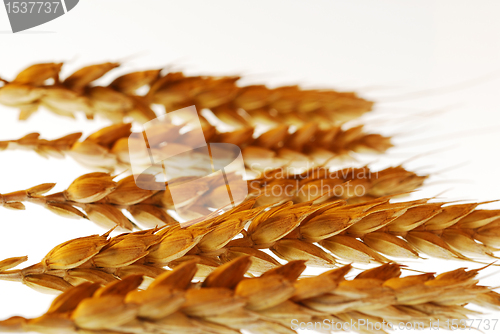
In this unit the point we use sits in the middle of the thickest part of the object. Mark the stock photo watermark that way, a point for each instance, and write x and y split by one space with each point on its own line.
24 15
171 154
172 150
367 325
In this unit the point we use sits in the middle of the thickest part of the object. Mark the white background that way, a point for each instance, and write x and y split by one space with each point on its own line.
449 51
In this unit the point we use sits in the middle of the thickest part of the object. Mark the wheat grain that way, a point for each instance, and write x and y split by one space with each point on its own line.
354 233
292 105
227 302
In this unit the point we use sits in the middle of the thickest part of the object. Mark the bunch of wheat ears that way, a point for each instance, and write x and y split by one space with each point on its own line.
221 271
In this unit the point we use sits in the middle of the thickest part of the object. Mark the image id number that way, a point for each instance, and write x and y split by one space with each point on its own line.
31 7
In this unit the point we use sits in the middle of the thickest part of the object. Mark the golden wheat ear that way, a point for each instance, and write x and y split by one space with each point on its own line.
76 93
98 197
228 302
364 233
108 149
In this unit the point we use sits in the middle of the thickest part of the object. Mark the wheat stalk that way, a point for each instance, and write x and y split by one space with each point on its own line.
227 302
354 233
98 197
292 105
108 148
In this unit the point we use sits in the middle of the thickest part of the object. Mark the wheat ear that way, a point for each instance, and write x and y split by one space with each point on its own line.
102 199
227 302
31 89
108 148
358 233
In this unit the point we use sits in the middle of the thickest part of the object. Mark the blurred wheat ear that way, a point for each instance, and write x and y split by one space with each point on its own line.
109 148
118 100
